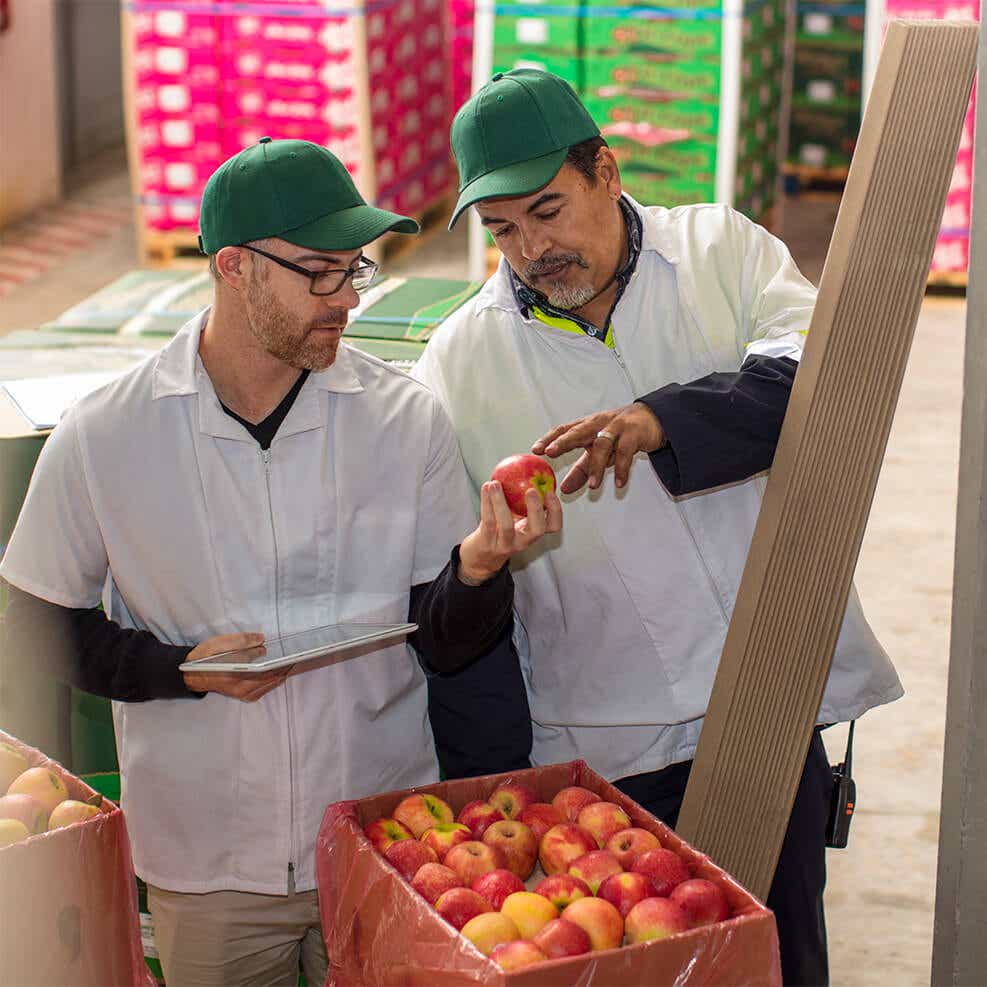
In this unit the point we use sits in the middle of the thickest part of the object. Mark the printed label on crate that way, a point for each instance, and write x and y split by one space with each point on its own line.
660 109
696 80
562 34
668 37
147 936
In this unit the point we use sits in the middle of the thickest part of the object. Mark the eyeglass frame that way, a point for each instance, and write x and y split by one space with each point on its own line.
313 276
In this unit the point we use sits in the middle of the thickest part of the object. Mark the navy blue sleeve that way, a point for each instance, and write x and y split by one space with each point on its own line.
721 428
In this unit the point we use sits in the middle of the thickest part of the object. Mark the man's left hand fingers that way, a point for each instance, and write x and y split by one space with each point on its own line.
600 455
576 478
624 453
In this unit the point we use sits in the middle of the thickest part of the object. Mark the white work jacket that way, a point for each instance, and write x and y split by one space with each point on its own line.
625 613
150 496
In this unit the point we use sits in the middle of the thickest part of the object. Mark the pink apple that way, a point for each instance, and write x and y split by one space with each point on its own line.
561 938
703 901
458 905
419 812
477 816
489 930
624 891
383 832
27 810
655 918
519 474
664 868
12 831
602 820
595 867
562 845
473 859
530 912
445 836
497 885
518 843
517 955
571 801
12 764
563 889
512 799
540 817
70 811
599 920
41 783
629 844
432 881
408 855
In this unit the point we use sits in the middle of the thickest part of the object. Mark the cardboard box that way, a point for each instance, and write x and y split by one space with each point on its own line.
379 931
69 900
562 35
567 66
660 109
683 39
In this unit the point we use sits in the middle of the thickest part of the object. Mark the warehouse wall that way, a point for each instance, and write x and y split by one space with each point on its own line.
30 160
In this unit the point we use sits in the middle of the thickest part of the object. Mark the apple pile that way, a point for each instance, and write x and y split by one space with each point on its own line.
606 883
36 800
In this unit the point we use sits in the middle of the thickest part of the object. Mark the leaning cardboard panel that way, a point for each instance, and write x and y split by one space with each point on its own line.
794 591
379 931
68 900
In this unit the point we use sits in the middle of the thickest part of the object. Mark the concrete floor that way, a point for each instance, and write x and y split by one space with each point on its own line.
881 889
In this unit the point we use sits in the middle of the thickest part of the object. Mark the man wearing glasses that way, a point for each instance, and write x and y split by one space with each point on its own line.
259 477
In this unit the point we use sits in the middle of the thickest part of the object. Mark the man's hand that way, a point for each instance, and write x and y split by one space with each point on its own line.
500 534
608 437
248 688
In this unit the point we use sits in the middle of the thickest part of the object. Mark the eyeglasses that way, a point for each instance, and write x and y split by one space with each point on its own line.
331 281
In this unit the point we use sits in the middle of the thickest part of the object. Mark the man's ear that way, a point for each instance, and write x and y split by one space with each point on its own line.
608 172
231 264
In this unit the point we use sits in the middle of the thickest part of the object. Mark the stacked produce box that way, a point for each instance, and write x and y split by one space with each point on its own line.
209 78
692 96
460 19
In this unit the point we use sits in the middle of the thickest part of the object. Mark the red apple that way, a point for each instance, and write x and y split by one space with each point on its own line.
70 811
489 930
497 885
27 810
529 912
445 836
12 831
477 816
629 844
624 891
561 938
419 812
703 901
602 820
383 832
571 801
473 859
518 843
12 764
458 905
516 955
664 868
563 889
519 474
562 845
432 881
540 817
408 855
655 918
512 799
599 920
42 784
595 867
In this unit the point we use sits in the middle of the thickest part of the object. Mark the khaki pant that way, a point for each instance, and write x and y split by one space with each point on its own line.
238 939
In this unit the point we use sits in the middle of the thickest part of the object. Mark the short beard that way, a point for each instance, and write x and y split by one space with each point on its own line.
562 296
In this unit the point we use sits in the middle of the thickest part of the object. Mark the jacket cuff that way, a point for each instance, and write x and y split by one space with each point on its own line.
665 461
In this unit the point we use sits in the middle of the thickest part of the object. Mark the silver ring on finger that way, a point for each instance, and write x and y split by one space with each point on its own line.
604 434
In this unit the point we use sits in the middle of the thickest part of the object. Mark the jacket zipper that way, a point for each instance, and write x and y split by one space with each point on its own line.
266 457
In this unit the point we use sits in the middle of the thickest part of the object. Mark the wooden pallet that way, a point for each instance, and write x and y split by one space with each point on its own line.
178 249
950 280
434 218
818 178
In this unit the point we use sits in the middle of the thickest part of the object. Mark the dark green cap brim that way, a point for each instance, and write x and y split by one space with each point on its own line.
521 178
348 229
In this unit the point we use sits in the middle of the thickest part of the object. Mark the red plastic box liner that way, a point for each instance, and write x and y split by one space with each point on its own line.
68 900
380 932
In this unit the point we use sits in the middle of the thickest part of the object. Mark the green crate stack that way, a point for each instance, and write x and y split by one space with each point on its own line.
543 35
826 90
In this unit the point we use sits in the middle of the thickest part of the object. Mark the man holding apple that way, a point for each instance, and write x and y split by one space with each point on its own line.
668 333
259 477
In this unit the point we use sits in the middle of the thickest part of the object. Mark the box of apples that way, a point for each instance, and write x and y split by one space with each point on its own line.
547 877
68 897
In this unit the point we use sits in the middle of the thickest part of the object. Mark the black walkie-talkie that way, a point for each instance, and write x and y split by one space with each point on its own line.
843 800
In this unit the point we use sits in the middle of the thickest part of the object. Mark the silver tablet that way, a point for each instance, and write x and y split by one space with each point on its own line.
304 647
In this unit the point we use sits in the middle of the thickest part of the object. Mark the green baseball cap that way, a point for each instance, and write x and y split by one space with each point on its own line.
295 190
512 137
